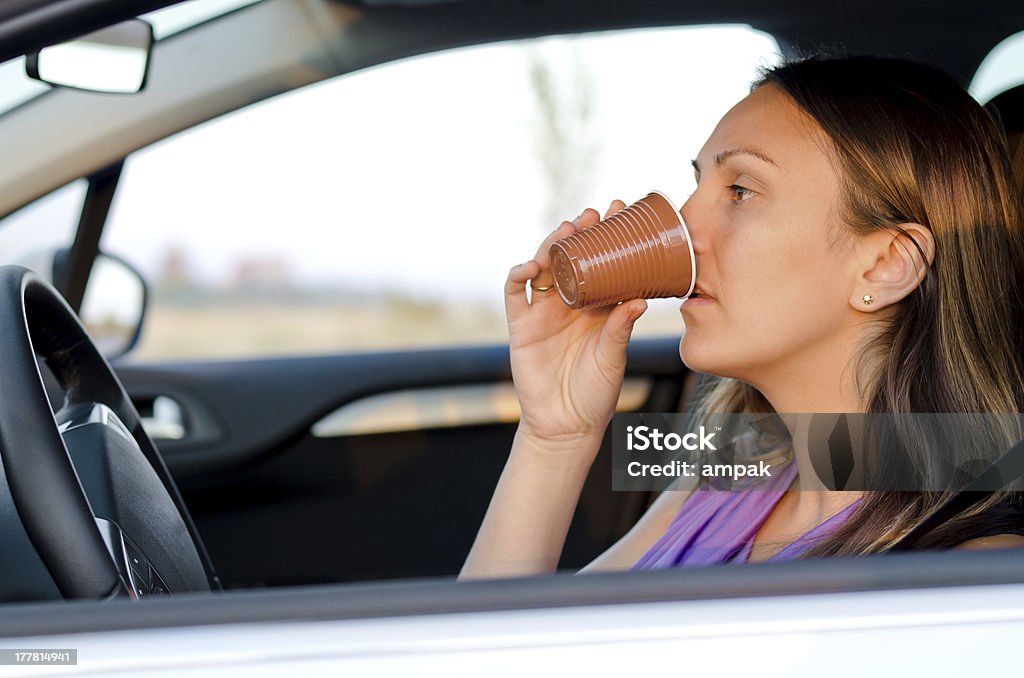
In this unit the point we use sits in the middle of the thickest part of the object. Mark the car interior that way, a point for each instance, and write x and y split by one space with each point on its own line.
262 484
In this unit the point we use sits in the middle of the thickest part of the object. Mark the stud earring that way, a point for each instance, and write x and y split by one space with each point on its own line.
868 299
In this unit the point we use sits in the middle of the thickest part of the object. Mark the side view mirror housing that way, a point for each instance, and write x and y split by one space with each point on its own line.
114 305
112 60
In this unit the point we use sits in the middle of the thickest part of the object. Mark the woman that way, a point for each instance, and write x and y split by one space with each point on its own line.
859 249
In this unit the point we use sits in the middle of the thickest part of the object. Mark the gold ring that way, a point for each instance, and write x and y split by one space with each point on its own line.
545 288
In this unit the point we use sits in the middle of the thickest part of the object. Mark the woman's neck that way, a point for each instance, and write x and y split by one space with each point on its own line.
820 379
811 500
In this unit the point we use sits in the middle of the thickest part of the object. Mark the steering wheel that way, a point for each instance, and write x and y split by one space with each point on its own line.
90 489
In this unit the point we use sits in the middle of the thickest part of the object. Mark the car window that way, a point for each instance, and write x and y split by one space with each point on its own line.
1002 69
383 209
30 236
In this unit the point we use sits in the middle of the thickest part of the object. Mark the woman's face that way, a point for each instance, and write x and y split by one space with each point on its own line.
770 251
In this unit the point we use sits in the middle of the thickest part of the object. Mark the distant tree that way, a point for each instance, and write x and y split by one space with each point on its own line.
564 136
176 270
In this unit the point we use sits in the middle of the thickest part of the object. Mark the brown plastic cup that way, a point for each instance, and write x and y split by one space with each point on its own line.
643 251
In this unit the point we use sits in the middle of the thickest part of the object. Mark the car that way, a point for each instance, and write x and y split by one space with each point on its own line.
286 236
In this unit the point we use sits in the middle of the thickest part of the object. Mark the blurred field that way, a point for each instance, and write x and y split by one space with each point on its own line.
238 330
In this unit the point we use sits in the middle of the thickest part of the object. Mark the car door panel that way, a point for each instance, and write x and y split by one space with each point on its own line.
278 504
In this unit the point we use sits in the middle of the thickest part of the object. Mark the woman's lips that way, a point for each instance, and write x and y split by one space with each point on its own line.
699 297
701 292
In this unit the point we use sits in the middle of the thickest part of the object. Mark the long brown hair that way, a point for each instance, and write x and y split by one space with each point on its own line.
911 146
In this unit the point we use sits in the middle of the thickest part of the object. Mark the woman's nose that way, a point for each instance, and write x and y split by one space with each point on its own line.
691 218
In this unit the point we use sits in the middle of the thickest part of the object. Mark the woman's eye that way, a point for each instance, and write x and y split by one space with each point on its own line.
740 193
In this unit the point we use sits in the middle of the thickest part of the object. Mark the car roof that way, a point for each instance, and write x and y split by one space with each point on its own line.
203 73
951 34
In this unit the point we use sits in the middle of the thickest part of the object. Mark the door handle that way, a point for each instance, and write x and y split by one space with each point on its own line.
162 417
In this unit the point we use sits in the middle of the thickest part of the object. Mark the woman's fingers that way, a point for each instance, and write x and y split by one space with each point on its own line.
516 305
614 207
617 330
543 277
538 271
588 218
564 229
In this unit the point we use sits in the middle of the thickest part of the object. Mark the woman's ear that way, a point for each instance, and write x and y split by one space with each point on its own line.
894 262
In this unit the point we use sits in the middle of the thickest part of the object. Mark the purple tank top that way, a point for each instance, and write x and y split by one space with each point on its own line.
719 526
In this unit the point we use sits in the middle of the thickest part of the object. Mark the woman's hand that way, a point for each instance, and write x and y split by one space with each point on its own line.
567 364
568 368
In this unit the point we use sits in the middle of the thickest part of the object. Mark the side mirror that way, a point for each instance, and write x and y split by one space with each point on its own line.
112 60
114 302
114 305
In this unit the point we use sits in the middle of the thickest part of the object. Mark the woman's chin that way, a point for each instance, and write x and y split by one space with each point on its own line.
692 356
698 358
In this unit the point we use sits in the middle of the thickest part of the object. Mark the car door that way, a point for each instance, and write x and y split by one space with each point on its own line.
324 362
935 613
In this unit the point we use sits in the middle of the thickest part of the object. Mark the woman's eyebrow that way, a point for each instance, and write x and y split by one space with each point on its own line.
725 155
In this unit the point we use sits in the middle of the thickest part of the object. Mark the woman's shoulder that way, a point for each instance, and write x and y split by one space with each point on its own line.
995 541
